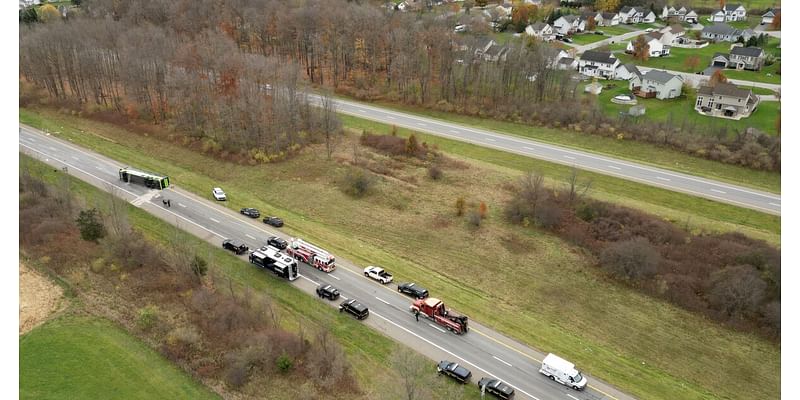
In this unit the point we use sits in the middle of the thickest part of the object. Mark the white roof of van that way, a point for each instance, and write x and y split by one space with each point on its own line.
559 363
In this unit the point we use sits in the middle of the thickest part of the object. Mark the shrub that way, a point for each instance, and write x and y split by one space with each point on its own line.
548 215
199 266
435 172
460 205
90 225
284 363
412 146
632 259
736 291
148 317
358 182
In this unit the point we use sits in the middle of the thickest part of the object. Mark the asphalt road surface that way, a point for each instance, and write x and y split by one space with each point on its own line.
676 181
482 350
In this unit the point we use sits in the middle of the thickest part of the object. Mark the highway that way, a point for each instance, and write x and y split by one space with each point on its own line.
483 351
654 176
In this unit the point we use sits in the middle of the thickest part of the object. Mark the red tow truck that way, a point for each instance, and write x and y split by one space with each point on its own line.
435 310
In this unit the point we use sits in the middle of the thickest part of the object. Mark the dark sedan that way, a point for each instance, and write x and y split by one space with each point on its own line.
250 212
236 246
454 371
413 290
277 243
274 221
496 388
327 291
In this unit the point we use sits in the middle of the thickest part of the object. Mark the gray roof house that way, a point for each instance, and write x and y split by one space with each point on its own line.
725 32
601 64
749 58
627 71
725 100
770 15
659 84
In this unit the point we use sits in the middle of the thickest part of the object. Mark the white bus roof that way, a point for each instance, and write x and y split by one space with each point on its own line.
141 173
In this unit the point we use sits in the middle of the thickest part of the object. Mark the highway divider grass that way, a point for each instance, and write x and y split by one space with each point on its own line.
524 283
639 152
79 357
369 352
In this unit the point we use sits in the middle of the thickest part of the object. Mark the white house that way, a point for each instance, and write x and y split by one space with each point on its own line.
717 16
659 84
678 14
636 15
569 24
655 47
567 63
627 71
606 19
541 31
600 64
725 100
769 16
672 33
734 12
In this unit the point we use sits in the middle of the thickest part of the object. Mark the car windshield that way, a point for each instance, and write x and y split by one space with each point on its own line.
577 378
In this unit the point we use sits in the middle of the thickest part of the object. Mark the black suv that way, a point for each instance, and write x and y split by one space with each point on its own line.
358 310
497 388
274 221
235 246
277 243
413 290
250 212
454 371
325 290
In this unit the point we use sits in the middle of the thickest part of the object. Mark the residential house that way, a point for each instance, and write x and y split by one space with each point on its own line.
749 58
678 14
567 63
627 71
734 12
28 3
541 30
600 64
672 34
725 32
717 16
606 19
496 53
659 84
770 15
725 100
636 15
655 47
553 55
569 24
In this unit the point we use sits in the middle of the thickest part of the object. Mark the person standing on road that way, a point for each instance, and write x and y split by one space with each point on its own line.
169 203
416 315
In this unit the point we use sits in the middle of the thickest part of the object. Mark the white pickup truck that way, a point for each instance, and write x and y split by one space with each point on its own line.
378 274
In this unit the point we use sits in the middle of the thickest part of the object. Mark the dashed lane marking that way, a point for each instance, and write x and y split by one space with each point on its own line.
382 300
182 205
572 396
569 157
662 178
501 360
614 167
717 191
334 277
250 236
775 204
436 327
215 220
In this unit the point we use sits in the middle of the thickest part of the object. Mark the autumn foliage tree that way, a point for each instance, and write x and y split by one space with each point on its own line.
776 22
607 5
717 78
692 62
641 50
590 23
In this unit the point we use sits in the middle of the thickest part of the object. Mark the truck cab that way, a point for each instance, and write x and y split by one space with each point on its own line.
563 372
435 310
378 274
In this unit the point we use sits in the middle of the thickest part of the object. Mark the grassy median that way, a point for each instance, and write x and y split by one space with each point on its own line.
527 284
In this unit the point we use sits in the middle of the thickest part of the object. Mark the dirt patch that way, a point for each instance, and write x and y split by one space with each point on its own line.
38 298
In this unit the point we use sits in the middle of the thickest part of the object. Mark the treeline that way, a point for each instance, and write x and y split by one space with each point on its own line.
728 277
171 298
202 85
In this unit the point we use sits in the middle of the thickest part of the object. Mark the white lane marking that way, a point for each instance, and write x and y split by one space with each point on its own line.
390 117
490 140
662 178
98 167
775 204
452 354
310 280
32 140
52 148
453 131
436 327
215 220
613 167
569 157
334 277
345 297
250 236
421 124
572 396
75 158
362 110
502 361
528 148
182 205
717 191
382 300
130 193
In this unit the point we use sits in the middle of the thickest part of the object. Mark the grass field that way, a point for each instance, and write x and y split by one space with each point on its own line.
586 38
683 108
631 150
88 358
409 214
748 4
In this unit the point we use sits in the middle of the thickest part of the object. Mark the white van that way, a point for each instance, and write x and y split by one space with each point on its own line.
563 372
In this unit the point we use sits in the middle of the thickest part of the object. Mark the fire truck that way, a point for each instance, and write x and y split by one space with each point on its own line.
435 310
311 255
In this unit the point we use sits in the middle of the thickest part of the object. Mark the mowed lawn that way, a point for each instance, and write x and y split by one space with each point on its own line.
644 346
681 110
88 358
676 61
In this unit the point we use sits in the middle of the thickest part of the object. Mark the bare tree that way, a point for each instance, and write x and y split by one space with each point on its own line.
331 126
413 374
577 189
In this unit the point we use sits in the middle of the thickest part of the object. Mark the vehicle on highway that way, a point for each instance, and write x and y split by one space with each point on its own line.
454 371
434 309
250 212
496 388
413 290
236 246
355 308
277 243
563 372
378 274
218 194
274 260
311 255
148 179
274 221
325 290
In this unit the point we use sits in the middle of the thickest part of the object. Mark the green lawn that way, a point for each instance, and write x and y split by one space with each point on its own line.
682 109
451 260
748 4
615 30
88 358
586 38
